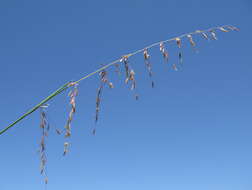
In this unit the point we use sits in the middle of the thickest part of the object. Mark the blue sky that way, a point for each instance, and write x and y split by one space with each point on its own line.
191 132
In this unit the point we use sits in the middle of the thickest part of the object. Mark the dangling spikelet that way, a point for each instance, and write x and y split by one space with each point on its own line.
213 34
66 148
203 34
189 36
178 41
132 79
98 102
111 85
148 64
125 61
72 94
103 80
44 125
163 51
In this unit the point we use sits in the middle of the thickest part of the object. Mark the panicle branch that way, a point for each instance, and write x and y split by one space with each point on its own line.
44 126
72 94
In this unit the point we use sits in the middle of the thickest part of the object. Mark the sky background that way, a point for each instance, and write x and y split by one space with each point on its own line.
191 132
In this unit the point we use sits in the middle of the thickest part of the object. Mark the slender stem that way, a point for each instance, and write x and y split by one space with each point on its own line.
148 47
67 85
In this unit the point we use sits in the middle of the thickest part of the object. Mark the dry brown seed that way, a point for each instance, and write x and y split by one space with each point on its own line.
178 40
146 55
132 75
111 85
103 75
163 51
191 40
68 133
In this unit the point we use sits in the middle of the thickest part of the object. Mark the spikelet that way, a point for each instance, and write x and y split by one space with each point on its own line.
66 148
148 64
178 41
125 61
44 126
132 79
203 34
72 94
189 36
98 102
146 54
213 34
103 80
111 85
163 51
130 74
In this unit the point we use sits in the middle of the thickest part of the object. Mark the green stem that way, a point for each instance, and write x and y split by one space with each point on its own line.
55 93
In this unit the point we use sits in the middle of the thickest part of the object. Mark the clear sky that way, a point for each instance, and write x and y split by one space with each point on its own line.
191 132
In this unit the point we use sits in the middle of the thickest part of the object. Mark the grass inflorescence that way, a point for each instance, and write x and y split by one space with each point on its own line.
209 34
